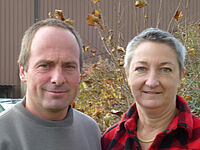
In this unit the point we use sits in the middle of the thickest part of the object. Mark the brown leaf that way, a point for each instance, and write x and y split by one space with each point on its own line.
98 111
179 15
69 21
94 66
119 48
96 1
121 79
191 52
113 50
93 52
59 14
96 13
73 104
50 14
110 80
186 73
86 48
92 20
121 62
116 112
189 98
140 3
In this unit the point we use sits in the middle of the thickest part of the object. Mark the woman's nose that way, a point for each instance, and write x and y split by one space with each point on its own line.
152 80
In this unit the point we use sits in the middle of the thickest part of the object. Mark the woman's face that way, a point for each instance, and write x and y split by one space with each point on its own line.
154 75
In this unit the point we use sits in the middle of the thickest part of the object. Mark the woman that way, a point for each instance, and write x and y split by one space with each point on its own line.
158 119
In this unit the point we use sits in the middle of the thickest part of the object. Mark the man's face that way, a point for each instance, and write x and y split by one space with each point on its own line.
53 73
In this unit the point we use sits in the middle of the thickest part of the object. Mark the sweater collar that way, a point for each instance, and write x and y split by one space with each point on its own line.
20 108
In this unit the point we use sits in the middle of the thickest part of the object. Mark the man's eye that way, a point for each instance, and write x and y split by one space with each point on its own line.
166 70
69 67
43 66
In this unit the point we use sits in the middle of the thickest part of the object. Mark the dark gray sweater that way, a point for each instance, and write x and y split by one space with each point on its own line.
21 130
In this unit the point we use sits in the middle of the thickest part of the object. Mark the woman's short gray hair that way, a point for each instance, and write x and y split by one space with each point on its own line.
155 35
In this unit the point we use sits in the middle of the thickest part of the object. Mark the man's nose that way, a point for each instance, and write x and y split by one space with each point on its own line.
152 80
57 77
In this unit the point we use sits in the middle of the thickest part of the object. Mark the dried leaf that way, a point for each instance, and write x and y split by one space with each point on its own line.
93 52
69 21
110 80
73 104
59 14
83 76
96 13
191 52
121 62
96 1
109 39
113 50
50 14
116 112
186 73
92 20
86 48
98 111
120 48
121 79
94 66
179 15
140 3
110 31
189 98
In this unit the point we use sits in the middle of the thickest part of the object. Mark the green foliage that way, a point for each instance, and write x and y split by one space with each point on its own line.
190 85
104 93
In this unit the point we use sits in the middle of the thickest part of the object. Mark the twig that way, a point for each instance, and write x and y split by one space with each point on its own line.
158 17
173 15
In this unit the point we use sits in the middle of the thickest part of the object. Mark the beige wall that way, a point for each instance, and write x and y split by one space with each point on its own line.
17 15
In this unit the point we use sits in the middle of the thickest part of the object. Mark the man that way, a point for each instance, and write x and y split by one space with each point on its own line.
50 63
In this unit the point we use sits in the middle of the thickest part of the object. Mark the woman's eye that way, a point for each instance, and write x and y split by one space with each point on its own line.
140 69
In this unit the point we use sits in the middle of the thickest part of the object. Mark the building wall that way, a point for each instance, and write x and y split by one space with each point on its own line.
17 15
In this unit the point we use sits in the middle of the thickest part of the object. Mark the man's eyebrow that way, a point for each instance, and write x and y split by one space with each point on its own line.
44 61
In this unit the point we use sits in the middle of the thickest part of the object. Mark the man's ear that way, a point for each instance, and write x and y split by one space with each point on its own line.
22 73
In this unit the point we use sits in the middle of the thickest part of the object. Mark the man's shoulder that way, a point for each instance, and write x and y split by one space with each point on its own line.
83 121
6 113
83 117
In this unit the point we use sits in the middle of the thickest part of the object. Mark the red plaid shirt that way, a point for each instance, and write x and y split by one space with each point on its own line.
182 133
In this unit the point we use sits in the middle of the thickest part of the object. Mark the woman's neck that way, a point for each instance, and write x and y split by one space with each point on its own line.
155 120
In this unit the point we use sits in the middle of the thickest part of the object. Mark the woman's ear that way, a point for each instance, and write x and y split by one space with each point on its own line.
22 73
182 73
127 73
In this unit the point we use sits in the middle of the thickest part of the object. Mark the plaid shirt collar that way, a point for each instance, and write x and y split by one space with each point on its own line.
183 119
